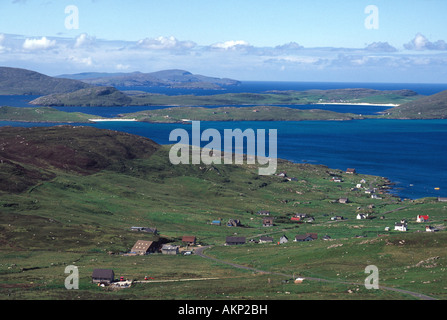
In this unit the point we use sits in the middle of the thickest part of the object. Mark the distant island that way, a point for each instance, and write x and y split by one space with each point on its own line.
43 114
166 78
110 96
259 113
98 89
15 81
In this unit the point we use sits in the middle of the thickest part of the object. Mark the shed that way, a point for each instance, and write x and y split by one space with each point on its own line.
351 171
103 276
264 213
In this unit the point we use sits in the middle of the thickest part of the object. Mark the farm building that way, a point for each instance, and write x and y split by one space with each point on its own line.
216 222
142 247
306 237
351 171
361 216
191 240
283 239
233 223
265 239
422 218
169 249
267 222
103 276
343 200
400 227
442 199
264 213
234 240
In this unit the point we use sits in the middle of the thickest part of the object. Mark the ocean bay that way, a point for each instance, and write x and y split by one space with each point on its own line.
411 153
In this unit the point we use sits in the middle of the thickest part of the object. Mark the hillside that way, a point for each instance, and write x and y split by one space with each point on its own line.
431 107
14 81
165 78
261 113
124 98
42 114
70 195
95 96
31 155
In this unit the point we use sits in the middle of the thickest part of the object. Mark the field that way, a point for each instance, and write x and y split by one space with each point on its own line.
84 219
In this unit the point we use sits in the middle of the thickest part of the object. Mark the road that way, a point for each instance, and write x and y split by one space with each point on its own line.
199 251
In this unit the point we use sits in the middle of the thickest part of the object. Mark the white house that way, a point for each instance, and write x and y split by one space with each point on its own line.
361 216
422 218
283 239
400 227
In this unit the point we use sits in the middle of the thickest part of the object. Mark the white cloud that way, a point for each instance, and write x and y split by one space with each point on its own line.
2 38
84 40
231 45
38 44
83 61
122 67
420 42
165 43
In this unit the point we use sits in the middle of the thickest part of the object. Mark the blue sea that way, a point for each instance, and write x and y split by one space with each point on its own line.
411 153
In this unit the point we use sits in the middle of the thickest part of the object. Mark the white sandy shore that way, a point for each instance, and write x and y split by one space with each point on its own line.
109 120
361 104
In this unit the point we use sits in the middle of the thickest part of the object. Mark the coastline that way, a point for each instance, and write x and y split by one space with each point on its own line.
358 104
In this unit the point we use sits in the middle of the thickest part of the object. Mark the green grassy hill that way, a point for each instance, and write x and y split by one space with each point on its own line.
14 81
42 114
95 97
431 107
70 195
136 98
261 113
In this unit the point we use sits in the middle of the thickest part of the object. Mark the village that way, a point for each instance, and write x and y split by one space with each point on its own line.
189 243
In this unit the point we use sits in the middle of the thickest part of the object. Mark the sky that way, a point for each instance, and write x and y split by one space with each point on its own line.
276 40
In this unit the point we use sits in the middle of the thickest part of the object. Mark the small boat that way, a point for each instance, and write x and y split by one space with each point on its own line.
437 188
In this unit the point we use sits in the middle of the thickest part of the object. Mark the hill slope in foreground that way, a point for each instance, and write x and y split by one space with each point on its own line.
70 195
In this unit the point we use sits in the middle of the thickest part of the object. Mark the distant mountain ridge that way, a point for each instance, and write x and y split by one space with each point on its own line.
16 81
167 78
